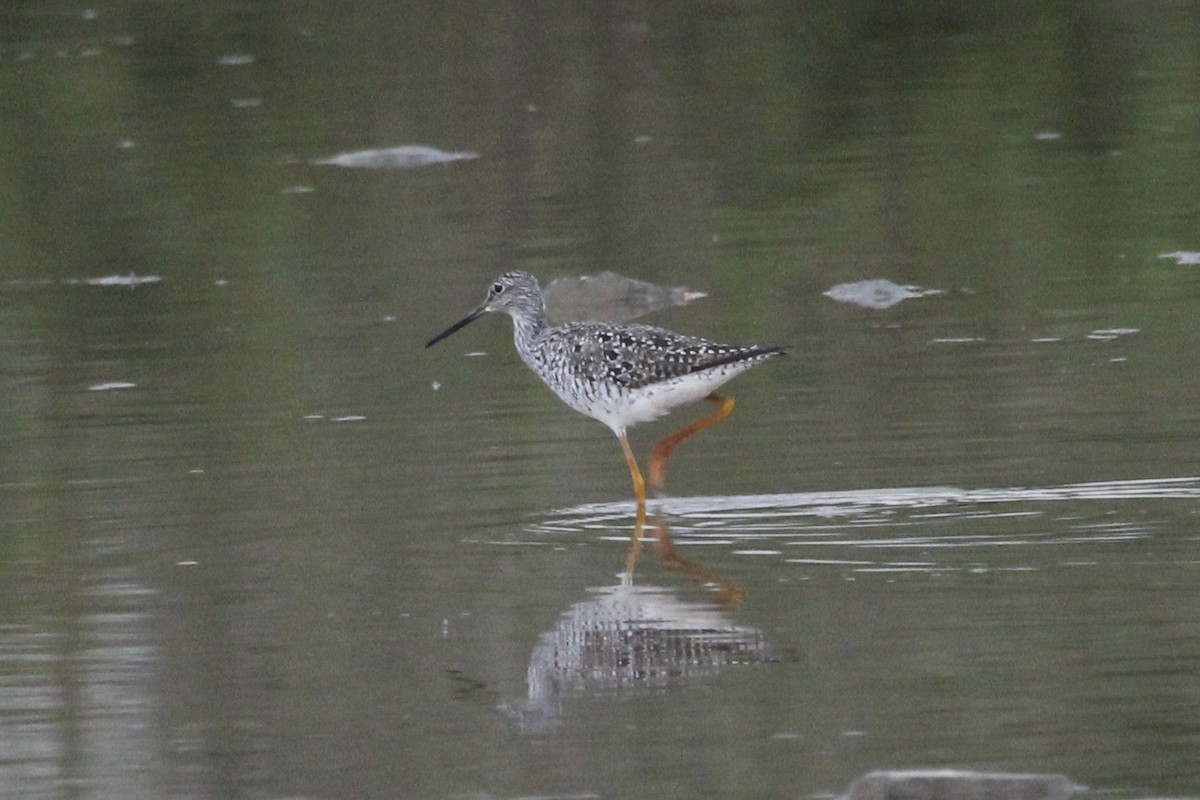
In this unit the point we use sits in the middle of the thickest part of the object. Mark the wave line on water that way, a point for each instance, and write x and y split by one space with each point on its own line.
830 515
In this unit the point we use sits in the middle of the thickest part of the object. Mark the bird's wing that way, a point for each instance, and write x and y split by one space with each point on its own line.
638 355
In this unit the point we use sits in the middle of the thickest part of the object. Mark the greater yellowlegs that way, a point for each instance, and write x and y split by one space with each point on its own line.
618 374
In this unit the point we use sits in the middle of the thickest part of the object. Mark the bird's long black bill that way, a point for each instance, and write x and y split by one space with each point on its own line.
462 323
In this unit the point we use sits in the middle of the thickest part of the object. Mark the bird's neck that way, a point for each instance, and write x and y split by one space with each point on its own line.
527 328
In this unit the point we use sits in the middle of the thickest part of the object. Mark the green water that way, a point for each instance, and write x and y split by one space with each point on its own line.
256 541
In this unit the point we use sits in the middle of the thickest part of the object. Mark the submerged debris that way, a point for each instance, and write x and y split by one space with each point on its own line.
403 157
877 293
1108 334
952 784
131 280
1185 258
609 297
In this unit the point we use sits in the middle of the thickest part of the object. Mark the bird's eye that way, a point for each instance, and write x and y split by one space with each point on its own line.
497 288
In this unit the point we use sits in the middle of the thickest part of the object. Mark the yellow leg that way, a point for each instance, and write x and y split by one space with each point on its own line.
658 458
639 484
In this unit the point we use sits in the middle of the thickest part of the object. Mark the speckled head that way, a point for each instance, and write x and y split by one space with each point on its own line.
515 293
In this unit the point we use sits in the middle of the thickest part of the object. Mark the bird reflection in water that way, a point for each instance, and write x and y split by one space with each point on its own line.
632 637
635 638
729 592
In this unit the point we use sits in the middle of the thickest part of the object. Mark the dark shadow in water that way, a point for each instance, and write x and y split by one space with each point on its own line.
629 638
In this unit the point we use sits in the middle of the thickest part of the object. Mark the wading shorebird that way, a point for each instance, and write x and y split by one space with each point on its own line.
621 374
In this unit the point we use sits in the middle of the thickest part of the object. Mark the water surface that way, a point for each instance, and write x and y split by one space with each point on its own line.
256 541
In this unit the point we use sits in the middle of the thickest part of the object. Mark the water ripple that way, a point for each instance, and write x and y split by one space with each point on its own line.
928 529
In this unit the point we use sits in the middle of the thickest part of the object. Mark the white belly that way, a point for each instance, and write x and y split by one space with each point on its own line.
623 410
